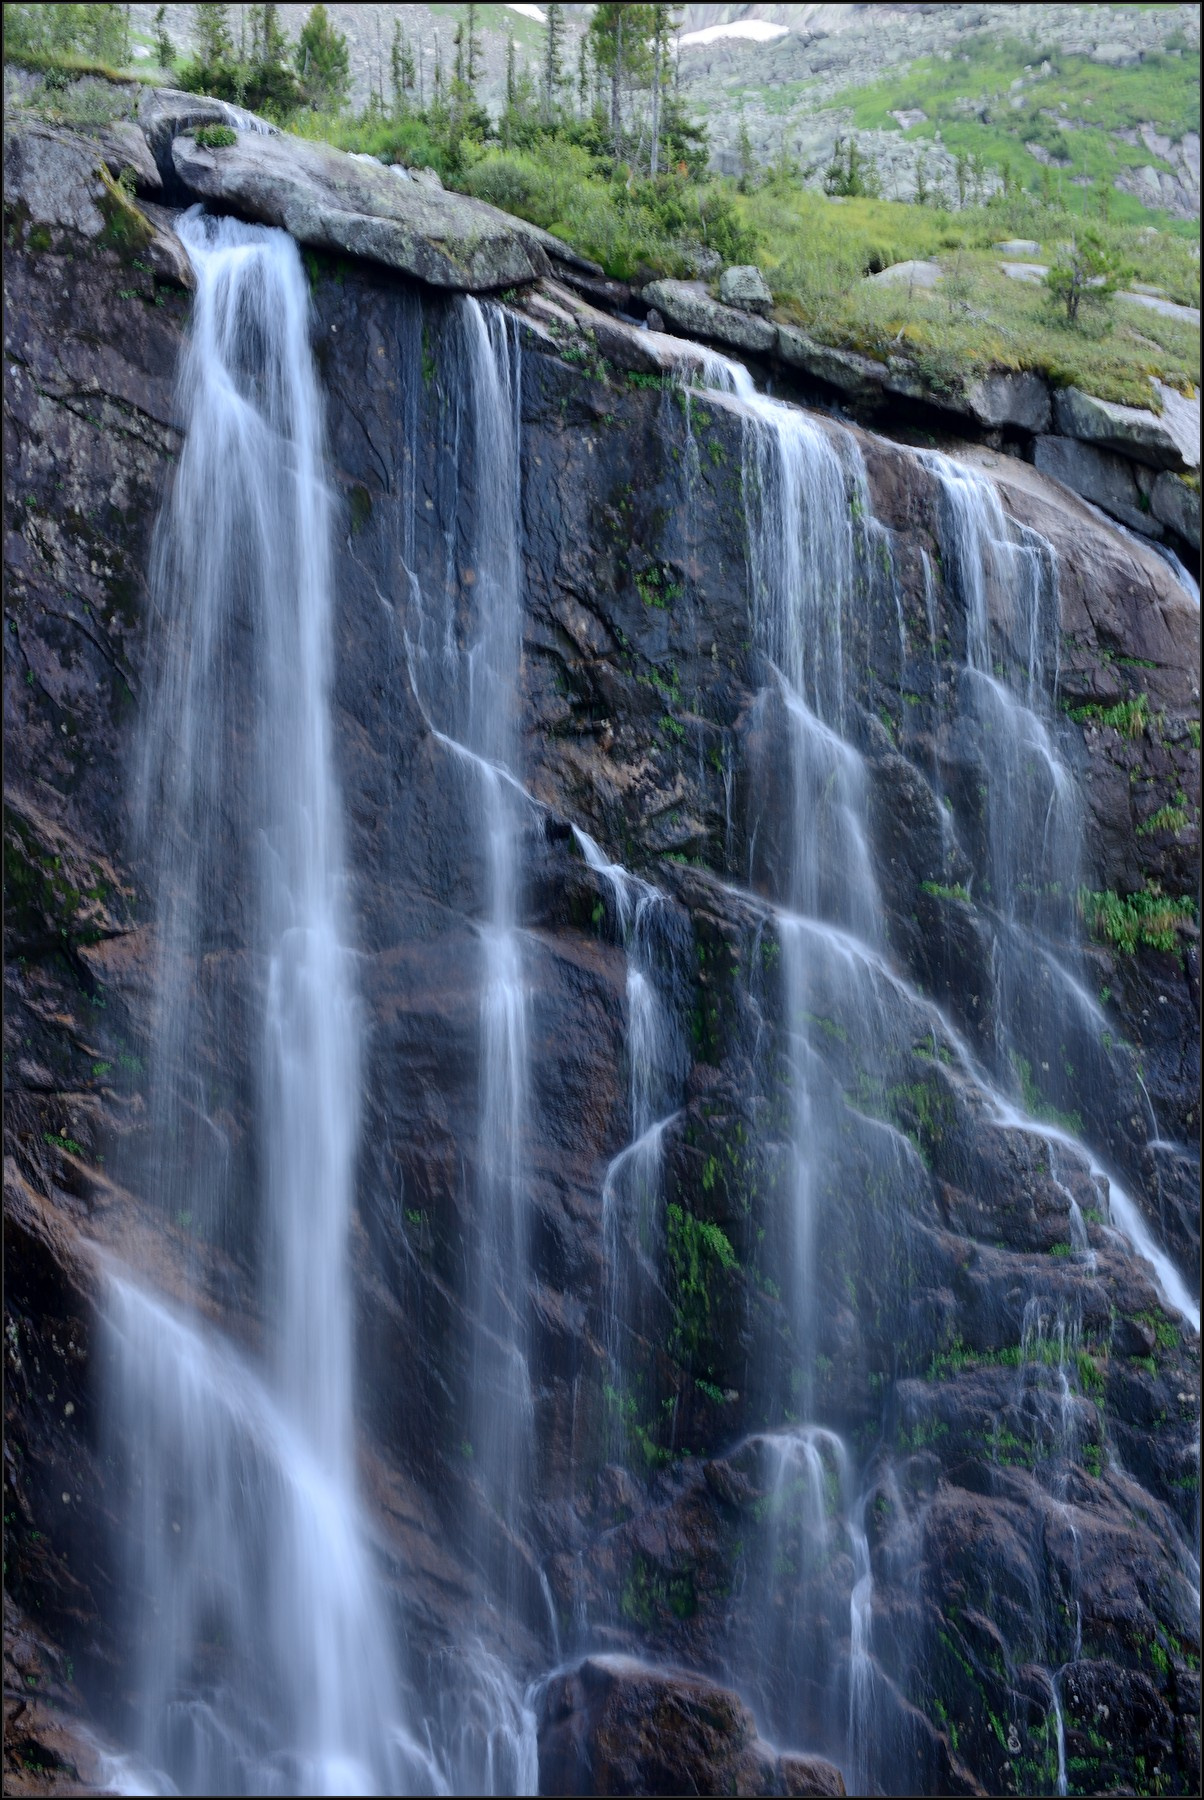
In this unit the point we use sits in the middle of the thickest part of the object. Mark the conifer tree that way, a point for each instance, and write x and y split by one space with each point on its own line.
215 47
553 73
619 37
165 50
323 62
664 19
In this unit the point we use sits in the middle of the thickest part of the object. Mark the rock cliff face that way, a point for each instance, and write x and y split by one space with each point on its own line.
996 1591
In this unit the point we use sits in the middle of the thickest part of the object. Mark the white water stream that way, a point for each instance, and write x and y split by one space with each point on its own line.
267 1656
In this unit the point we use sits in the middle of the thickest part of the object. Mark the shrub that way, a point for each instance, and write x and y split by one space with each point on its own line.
215 137
1085 273
1149 917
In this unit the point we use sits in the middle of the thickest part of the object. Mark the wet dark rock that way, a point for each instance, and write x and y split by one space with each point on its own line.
615 1726
641 720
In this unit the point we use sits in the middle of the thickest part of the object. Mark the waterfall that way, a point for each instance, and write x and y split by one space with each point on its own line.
805 498
816 561
503 1409
463 640
631 1190
266 1658
1051 1038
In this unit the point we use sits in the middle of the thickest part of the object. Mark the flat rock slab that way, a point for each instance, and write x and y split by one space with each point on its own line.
908 274
1018 247
1025 271
1166 440
687 305
1170 309
329 200
856 375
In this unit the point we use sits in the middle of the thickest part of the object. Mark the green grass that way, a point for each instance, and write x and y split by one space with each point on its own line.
1072 113
1129 717
1150 918
816 255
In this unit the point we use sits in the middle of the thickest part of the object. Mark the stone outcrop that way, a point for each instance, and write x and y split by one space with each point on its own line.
1166 440
329 200
640 723
688 306
744 287
1107 480
617 1726
1018 400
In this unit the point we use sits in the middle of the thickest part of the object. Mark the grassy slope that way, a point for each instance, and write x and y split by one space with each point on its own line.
1073 113
816 254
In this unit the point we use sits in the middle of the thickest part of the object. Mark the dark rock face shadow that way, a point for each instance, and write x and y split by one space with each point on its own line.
1025 1547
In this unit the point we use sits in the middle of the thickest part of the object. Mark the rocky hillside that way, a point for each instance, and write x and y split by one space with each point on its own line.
1030 1589
1087 93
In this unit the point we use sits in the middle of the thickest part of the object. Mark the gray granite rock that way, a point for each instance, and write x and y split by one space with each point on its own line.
1010 397
331 201
908 274
52 174
687 305
1108 480
744 287
858 376
1177 506
1169 440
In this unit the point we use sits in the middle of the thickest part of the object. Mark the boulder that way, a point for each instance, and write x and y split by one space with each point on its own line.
687 305
1170 440
1109 481
163 113
1006 397
1034 273
907 274
331 201
745 287
617 1726
858 376
1018 247
53 175
1177 506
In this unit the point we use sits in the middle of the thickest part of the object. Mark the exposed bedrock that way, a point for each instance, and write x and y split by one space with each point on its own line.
1018 1403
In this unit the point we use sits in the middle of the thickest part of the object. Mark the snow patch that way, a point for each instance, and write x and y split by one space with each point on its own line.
531 12
760 31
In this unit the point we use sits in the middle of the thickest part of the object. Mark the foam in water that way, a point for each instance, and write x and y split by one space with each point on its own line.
267 1660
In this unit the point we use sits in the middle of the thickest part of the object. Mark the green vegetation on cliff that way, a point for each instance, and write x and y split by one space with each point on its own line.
607 157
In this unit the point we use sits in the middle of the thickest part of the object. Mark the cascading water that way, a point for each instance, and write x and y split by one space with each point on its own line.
266 1660
1051 1036
631 1190
813 551
464 646
804 494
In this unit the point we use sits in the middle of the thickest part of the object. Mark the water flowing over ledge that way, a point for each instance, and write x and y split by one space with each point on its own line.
615 1145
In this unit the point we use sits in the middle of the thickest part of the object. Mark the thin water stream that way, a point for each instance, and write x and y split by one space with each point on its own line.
272 1658
268 1658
